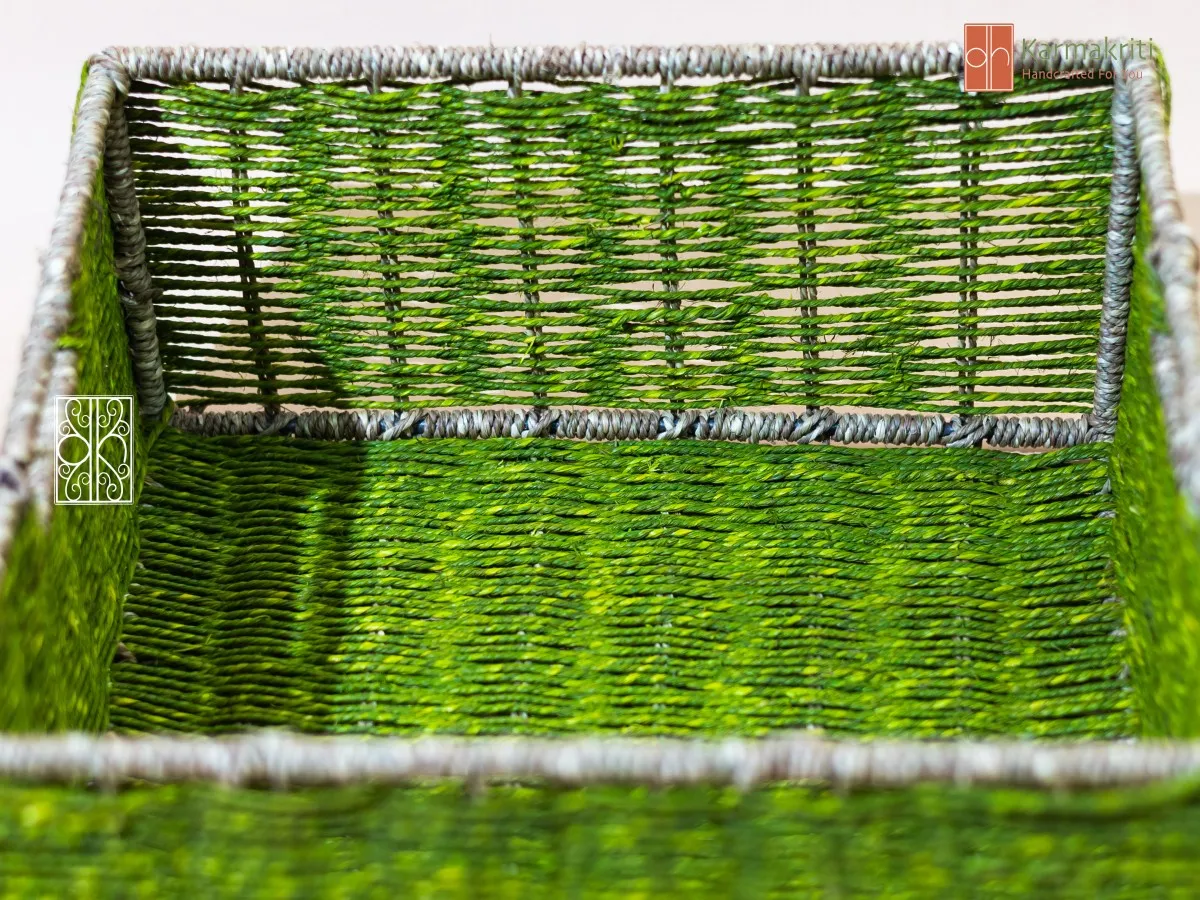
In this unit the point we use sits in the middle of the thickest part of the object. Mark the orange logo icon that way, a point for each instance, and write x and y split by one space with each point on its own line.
988 57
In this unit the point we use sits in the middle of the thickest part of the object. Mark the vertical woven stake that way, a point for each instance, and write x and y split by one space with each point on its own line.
807 245
527 236
391 291
968 297
673 343
243 235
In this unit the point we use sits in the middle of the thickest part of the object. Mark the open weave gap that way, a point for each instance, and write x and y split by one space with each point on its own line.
660 587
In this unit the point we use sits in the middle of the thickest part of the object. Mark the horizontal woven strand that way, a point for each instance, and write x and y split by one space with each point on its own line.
656 587
753 426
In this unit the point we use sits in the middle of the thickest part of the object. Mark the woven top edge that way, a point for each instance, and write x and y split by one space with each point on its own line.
284 760
802 61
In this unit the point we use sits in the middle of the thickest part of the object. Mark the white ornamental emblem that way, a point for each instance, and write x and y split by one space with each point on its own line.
93 450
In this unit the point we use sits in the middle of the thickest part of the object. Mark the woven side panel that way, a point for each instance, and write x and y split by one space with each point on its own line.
1157 539
651 587
895 244
60 602
520 842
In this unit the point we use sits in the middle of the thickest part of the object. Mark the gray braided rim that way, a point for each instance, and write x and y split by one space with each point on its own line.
1118 269
604 424
282 760
802 62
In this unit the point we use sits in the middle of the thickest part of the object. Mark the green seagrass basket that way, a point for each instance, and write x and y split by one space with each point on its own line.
739 471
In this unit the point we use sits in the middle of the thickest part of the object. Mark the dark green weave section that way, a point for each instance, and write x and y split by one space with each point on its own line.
527 842
1157 540
539 586
60 600
894 244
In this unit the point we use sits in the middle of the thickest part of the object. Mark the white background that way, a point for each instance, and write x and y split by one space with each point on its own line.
43 44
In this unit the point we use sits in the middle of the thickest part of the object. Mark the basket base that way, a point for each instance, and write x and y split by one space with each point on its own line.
682 587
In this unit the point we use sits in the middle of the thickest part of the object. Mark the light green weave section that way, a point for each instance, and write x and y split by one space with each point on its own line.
679 587
522 842
60 600
1157 540
894 244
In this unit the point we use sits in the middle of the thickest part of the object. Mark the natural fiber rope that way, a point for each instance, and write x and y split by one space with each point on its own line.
284 761
753 426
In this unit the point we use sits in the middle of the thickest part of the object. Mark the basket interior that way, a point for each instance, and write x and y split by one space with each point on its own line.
855 246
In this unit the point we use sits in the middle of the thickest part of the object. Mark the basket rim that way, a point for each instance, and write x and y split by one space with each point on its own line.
284 760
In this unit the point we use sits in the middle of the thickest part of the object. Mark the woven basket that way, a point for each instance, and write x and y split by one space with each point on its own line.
609 472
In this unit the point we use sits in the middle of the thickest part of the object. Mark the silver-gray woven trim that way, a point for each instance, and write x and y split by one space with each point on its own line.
601 424
804 62
1174 257
283 761
1118 268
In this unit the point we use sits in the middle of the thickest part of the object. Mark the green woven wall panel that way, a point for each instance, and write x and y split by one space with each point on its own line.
1157 539
61 595
653 587
521 842
895 244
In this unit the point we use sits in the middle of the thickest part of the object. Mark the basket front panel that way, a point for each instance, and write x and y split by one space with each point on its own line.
602 841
